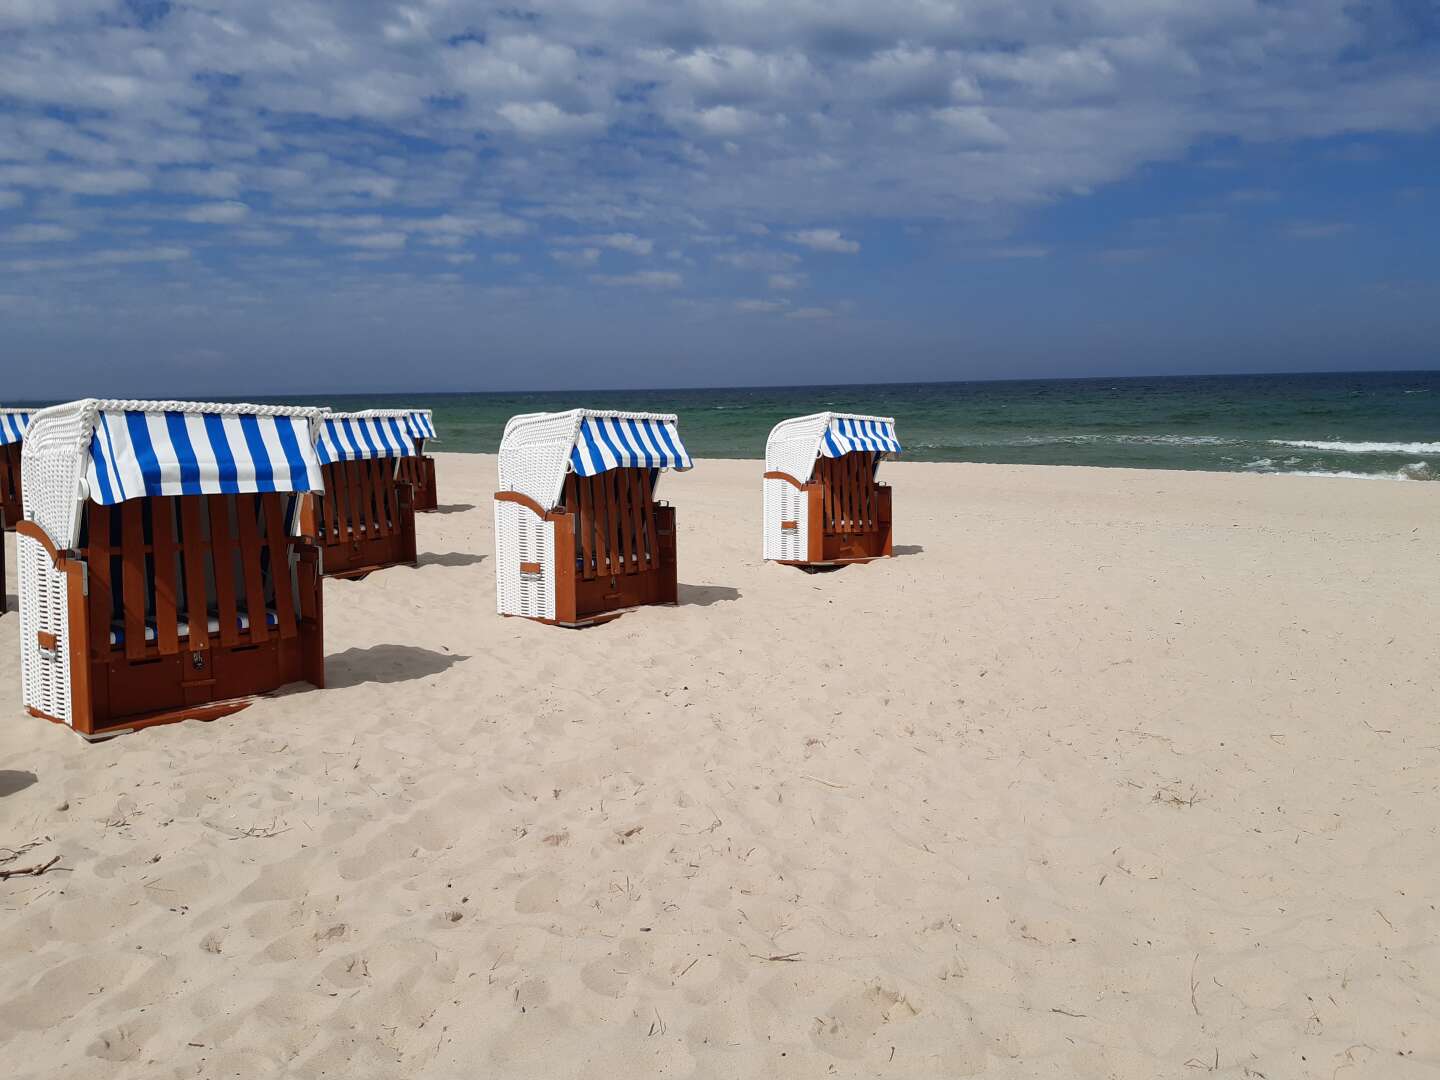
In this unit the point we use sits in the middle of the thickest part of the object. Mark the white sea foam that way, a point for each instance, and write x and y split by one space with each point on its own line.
1362 447
1416 470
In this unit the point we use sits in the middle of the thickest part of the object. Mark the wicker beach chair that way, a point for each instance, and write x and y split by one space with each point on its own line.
579 535
823 504
13 423
418 471
161 576
364 518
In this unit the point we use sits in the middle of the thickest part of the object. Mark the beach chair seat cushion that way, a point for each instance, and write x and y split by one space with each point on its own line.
182 627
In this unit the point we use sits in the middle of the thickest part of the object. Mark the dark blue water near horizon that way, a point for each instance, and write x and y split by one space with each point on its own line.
1376 424
1366 424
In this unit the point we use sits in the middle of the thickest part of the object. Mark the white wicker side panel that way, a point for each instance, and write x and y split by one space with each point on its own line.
523 537
794 444
784 502
44 677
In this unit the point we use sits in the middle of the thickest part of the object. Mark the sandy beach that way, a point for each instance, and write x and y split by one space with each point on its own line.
1107 774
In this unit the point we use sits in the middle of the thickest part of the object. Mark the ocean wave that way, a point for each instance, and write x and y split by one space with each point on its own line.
1362 447
1416 470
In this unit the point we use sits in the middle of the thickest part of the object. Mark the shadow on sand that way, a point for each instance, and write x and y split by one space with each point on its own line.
705 595
13 780
386 664
450 558
451 508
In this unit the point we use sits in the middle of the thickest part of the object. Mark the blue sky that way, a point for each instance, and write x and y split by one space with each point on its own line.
285 195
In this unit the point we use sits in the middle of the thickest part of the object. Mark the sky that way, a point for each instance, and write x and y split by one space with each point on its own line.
275 196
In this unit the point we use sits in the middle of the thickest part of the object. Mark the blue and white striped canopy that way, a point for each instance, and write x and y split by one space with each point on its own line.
421 423
12 426
848 433
353 437
135 453
617 442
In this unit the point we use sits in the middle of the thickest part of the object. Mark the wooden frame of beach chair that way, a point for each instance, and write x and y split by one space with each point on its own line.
13 423
580 537
141 609
419 471
364 519
824 505
12 434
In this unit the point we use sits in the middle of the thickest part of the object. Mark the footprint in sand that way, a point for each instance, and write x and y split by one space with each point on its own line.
540 893
854 1019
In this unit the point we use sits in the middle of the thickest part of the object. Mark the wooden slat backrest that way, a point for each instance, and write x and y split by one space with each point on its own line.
222 554
851 499
197 562
132 581
136 584
163 581
279 563
102 579
371 521
246 515
362 499
388 479
615 522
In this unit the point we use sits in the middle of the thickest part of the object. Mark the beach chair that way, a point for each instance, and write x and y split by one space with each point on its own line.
12 433
364 518
579 535
13 423
823 504
419 471
161 576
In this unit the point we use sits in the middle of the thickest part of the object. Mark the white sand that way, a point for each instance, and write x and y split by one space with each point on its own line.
1111 773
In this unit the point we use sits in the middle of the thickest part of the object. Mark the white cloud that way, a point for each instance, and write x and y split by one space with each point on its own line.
583 257
648 279
760 306
626 242
108 257
545 118
1023 251
762 261
1320 230
824 240
217 213
374 241
639 128
41 233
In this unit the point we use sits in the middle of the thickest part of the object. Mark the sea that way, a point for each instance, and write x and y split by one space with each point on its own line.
1364 425
1371 425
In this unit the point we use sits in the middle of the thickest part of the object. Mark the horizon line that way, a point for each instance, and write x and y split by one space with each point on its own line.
21 402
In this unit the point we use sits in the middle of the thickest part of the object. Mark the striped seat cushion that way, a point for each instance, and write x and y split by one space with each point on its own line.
117 630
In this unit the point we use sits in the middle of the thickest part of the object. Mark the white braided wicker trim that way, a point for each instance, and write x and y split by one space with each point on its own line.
785 502
522 536
44 678
381 414
794 444
535 449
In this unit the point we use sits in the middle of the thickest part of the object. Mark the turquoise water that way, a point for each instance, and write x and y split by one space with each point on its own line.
1381 425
